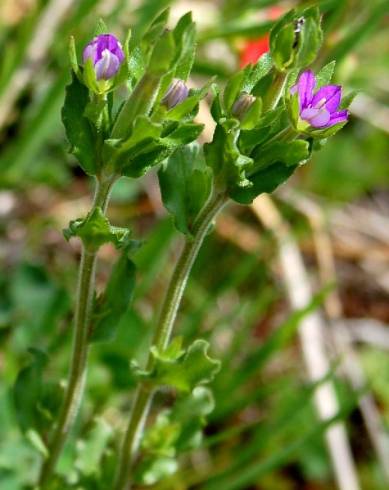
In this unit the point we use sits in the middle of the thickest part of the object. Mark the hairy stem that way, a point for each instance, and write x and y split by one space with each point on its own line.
144 394
77 371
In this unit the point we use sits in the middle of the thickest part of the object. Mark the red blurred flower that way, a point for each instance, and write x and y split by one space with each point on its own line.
253 49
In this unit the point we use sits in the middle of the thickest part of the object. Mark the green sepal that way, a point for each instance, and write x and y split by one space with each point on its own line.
113 304
325 132
100 28
347 99
251 118
185 182
73 58
233 89
95 230
79 130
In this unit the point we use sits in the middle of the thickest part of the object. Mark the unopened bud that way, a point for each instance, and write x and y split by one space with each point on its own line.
242 105
176 93
106 54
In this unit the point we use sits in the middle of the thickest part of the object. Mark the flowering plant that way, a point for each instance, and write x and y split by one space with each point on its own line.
128 109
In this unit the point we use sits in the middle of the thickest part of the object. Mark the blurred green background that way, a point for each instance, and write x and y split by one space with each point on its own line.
264 433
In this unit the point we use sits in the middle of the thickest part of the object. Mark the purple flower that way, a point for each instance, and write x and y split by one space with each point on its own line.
242 105
175 94
107 55
319 109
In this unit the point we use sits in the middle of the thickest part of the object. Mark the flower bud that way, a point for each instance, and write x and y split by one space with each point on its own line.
106 54
242 105
176 93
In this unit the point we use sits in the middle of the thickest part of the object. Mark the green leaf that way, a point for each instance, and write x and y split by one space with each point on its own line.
233 89
295 39
159 440
192 369
268 125
152 470
90 449
78 129
256 72
162 55
28 390
309 39
282 47
252 116
115 301
120 152
189 106
190 410
265 181
95 230
290 153
136 63
185 133
198 403
185 181
324 76
37 442
229 165
185 39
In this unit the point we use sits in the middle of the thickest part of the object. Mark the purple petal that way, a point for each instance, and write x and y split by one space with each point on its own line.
329 96
338 117
318 118
304 87
107 66
106 53
90 51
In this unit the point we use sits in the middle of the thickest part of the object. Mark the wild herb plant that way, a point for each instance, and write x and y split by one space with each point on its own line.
128 109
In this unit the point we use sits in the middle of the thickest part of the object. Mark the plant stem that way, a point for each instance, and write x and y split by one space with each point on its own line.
77 372
144 394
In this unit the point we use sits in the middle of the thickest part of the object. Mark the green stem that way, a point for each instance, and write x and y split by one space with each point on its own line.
77 373
144 394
